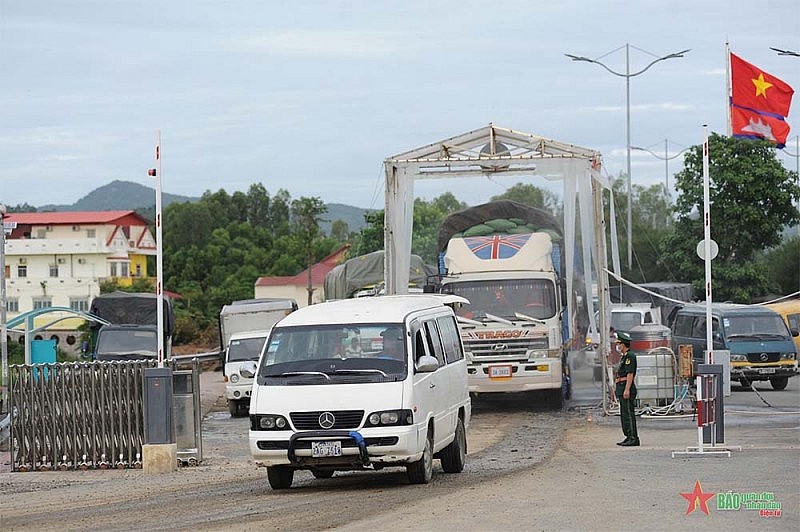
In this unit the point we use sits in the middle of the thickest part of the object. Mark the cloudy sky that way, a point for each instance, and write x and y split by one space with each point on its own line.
311 96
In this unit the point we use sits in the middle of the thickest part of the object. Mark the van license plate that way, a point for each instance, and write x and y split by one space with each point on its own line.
323 449
499 372
766 370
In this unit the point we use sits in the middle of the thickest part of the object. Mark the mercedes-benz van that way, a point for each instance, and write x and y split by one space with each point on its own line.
361 384
758 339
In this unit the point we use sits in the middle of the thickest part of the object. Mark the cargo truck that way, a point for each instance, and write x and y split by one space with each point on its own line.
244 327
506 259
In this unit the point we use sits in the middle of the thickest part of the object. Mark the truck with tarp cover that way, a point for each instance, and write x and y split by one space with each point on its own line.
506 259
364 276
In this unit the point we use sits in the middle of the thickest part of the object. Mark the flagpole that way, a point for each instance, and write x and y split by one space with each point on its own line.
729 91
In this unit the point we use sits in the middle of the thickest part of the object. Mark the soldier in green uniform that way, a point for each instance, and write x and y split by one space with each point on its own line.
626 390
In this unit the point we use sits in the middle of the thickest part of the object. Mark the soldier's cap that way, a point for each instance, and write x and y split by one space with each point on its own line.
624 338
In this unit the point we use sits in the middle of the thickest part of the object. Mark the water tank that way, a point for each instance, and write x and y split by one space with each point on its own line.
655 364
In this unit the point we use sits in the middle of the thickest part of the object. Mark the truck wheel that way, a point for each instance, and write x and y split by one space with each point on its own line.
454 456
280 477
233 407
421 471
779 383
557 398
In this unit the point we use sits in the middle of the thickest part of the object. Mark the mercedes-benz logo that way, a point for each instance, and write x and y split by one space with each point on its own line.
326 420
499 347
764 357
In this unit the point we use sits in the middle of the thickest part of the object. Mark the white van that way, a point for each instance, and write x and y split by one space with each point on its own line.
242 347
362 384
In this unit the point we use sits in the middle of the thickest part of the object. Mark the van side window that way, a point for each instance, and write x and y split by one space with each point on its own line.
434 342
794 321
420 349
683 325
450 338
699 327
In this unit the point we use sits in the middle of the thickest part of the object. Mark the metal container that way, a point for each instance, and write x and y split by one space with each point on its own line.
648 336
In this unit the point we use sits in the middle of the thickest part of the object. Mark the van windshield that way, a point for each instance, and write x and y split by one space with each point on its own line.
335 354
748 328
245 349
625 321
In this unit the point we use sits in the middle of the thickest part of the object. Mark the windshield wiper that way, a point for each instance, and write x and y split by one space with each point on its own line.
732 336
469 321
302 373
521 316
358 371
498 319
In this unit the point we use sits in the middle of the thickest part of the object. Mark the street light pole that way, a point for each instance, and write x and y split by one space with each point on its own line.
628 75
666 158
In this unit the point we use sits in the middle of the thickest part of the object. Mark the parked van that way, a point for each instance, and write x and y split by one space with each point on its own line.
790 312
758 339
624 317
362 384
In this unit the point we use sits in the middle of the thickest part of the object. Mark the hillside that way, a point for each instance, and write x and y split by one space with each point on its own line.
127 195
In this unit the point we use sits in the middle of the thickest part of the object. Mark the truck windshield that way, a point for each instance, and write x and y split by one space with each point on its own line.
746 328
127 341
625 321
504 297
334 354
245 349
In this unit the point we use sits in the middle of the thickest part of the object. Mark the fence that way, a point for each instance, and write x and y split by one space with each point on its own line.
77 415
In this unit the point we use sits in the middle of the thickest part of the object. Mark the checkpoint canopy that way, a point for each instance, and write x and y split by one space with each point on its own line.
493 150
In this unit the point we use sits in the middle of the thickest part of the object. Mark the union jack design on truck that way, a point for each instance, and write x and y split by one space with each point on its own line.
496 246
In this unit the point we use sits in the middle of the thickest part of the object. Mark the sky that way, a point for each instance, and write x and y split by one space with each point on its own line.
311 96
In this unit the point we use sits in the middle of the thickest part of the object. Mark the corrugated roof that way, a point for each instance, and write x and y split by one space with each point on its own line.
69 217
318 272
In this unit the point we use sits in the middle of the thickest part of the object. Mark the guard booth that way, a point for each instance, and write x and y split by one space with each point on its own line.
186 414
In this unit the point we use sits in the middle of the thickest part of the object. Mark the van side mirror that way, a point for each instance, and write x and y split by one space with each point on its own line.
795 332
248 369
426 364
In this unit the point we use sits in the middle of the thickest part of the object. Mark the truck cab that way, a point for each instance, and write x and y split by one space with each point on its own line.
127 342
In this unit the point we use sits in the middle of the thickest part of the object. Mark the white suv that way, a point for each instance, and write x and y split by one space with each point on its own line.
362 384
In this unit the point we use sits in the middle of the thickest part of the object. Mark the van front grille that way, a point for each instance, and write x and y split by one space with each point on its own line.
343 419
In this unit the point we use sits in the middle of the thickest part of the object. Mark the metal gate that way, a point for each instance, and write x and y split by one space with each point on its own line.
84 415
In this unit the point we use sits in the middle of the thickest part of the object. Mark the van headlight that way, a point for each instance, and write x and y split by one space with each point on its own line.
738 358
788 356
268 422
390 418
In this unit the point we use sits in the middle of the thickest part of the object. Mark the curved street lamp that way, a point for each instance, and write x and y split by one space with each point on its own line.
628 75
666 158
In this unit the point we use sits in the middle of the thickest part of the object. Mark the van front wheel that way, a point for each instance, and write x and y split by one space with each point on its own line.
421 471
779 383
280 477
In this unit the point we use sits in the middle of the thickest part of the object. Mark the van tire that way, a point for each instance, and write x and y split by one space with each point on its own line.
235 407
322 473
280 477
779 383
454 456
421 471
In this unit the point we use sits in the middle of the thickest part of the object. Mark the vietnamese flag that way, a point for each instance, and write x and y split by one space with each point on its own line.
749 124
753 88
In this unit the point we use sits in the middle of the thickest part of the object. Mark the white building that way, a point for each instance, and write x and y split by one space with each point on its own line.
59 259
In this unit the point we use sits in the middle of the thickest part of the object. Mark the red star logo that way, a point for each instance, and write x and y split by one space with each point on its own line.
697 498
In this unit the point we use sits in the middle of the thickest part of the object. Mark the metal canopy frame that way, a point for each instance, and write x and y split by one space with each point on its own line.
493 150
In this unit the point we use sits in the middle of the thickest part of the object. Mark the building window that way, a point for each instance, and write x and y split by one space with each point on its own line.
113 269
41 233
79 304
138 270
22 271
54 270
12 304
124 267
91 233
42 302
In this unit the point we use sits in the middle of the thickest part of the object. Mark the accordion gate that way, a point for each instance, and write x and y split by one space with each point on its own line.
77 415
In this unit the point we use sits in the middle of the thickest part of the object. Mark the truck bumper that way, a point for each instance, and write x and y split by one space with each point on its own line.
487 377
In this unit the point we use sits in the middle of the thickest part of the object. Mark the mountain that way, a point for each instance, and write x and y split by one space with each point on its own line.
127 195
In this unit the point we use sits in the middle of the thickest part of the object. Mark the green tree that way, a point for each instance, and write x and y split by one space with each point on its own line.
340 231
783 266
532 196
306 216
751 197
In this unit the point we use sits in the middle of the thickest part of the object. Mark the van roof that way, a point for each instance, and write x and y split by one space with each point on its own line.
726 308
391 309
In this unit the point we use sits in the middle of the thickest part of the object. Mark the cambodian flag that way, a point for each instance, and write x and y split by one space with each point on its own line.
496 246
